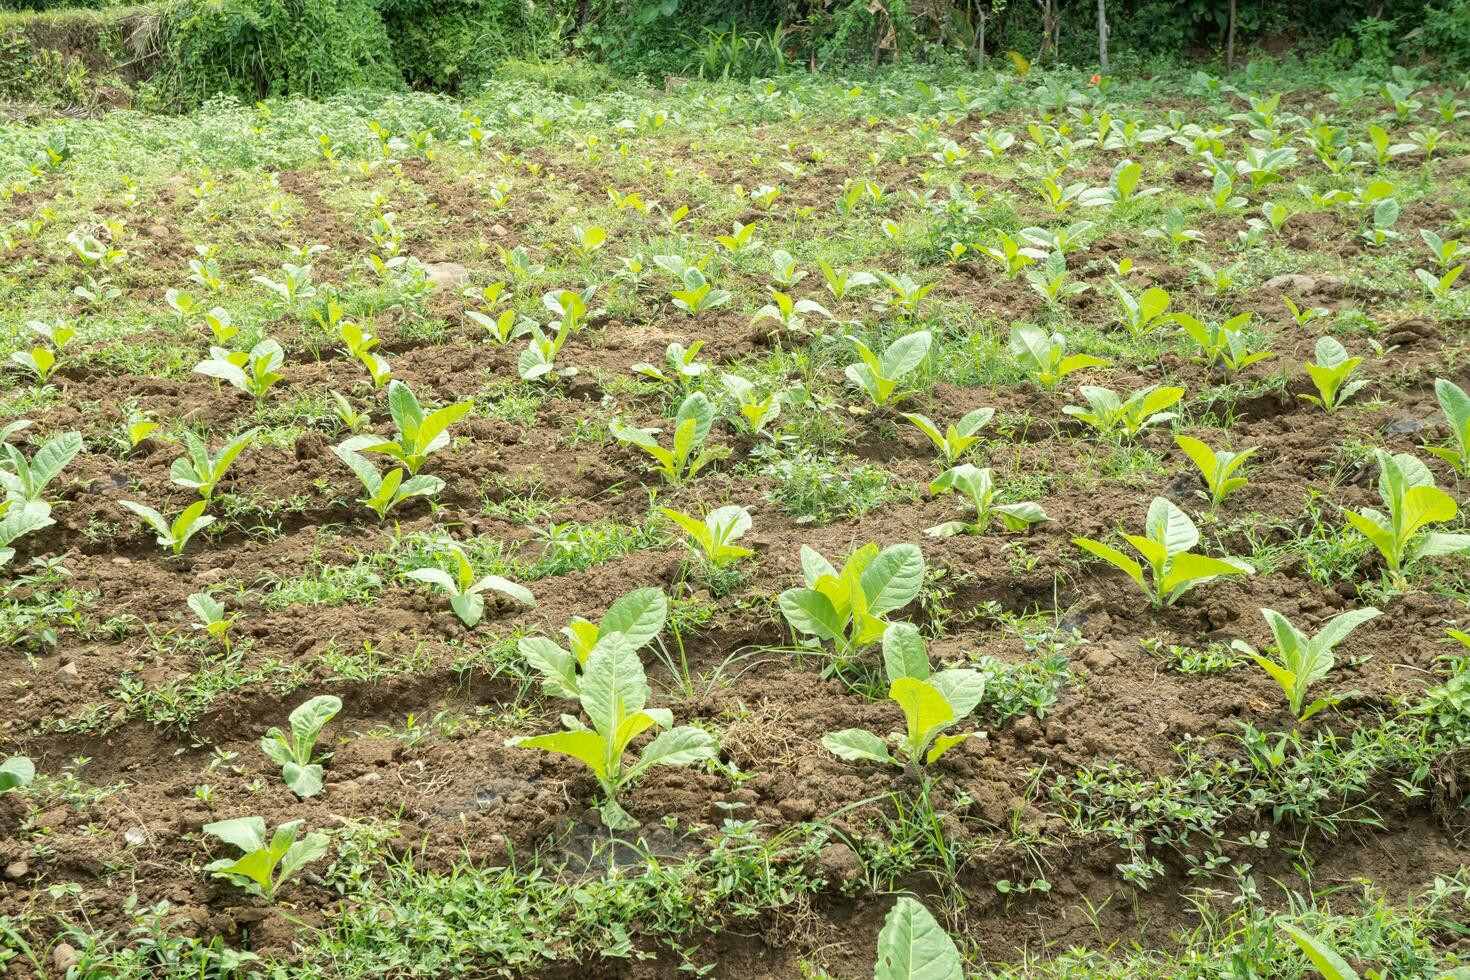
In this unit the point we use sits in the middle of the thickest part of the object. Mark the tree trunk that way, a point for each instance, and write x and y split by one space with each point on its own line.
1102 35
980 40
1230 40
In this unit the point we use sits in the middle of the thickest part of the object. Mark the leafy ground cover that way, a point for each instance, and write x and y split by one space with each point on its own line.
500 536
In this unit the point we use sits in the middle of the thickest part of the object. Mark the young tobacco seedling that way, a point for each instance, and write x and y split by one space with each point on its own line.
212 618
1456 407
1223 343
384 492
978 486
1407 490
613 691
26 479
1049 280
198 470
846 608
1044 356
637 618
1217 468
419 435
955 439
689 454
16 772
465 591
931 702
1300 661
293 753
264 867
1171 569
711 536
174 535
39 361
758 412
253 373
683 365
1111 415
879 376
1143 313
1331 374
790 313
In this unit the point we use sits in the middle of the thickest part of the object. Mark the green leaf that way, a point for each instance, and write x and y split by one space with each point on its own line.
913 946
893 578
1321 955
856 745
903 652
639 616
558 667
15 772
587 746
613 684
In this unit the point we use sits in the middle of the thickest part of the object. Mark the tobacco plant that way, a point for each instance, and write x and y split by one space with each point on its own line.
1332 373
955 439
1112 415
25 479
879 376
264 867
614 692
712 535
1456 407
1217 468
253 372
757 411
198 470
846 607
385 491
683 365
931 702
638 618
1143 313
16 772
978 487
420 435
1044 356
212 617
1300 661
1412 502
294 753
913 946
1224 343
17 519
688 454
1170 568
173 535
465 590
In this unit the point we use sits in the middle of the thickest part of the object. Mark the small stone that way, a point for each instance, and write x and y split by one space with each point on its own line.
796 810
16 870
64 957
838 864
498 231
135 836
68 676
211 575
1292 281
1026 729
446 275
122 561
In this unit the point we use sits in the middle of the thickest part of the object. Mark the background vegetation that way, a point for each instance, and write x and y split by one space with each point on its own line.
255 48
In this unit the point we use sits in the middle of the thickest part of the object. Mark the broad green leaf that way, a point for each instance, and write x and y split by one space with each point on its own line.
856 745
913 946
